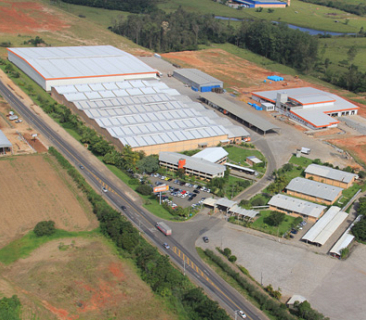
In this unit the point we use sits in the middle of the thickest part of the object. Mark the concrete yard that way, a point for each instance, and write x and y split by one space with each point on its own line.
333 287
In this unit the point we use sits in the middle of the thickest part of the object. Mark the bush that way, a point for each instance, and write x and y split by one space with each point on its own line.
274 219
257 202
362 174
144 189
44 228
133 182
227 252
232 219
232 258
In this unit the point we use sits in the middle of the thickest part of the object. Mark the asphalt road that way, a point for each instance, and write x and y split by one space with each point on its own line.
183 257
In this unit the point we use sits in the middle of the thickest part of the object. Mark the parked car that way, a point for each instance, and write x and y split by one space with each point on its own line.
294 231
205 239
166 246
196 191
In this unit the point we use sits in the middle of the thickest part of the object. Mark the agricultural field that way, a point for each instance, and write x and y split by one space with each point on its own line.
80 278
37 189
57 26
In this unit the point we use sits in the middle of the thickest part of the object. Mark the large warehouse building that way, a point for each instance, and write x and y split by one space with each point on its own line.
313 190
309 106
55 66
197 80
147 115
330 176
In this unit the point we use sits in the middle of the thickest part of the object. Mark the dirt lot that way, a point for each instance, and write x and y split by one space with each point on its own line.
79 279
37 189
19 17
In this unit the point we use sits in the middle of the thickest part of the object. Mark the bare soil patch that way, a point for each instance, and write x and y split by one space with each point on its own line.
80 279
356 145
36 188
21 17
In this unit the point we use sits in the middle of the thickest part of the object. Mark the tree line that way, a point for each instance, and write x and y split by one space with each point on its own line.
181 30
358 9
133 6
156 269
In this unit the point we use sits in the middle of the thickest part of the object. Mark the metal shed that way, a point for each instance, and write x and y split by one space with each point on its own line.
197 80
5 144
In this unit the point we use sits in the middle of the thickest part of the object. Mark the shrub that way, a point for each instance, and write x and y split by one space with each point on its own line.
232 258
133 182
232 219
227 252
257 202
44 228
144 189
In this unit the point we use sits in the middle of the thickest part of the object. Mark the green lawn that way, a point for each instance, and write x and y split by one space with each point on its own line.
347 195
22 247
280 230
238 155
299 13
302 161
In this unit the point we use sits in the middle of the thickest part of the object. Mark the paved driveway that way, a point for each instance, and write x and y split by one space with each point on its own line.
335 288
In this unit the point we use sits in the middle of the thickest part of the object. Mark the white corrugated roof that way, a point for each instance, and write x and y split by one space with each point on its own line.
82 61
326 226
297 205
244 212
345 240
314 188
4 141
315 117
197 76
211 154
330 173
224 202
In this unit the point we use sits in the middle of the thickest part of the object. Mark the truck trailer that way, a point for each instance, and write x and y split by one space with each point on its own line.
164 228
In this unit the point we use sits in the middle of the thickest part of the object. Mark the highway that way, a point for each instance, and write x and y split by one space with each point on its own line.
214 286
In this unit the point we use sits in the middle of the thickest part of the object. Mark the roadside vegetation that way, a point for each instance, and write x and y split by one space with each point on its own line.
156 269
359 229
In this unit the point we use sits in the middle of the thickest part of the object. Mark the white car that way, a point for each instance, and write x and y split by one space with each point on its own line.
242 314
104 189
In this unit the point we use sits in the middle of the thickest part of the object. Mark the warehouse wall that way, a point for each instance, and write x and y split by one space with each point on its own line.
27 69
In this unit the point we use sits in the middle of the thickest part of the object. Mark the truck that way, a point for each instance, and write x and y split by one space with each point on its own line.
164 228
305 150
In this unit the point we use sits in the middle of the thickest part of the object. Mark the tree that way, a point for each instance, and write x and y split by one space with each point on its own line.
148 164
10 308
274 219
359 230
44 228
227 252
144 189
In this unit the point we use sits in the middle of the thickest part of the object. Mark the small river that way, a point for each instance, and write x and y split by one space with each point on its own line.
312 32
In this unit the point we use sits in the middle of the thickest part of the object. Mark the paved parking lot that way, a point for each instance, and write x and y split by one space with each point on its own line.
179 196
333 287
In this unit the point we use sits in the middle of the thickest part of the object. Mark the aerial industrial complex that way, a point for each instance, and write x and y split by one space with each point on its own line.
311 107
120 97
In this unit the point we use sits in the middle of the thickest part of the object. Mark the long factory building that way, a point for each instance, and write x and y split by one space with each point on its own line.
122 99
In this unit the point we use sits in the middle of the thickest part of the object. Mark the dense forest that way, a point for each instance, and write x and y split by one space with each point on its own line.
133 6
181 30
358 9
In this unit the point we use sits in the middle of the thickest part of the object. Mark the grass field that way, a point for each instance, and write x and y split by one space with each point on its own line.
238 155
260 225
299 13
79 277
38 189
302 161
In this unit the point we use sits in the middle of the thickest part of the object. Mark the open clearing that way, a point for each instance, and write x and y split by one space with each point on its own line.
36 188
79 278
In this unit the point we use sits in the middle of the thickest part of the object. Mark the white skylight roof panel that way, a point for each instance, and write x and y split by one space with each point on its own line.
127 101
99 103
96 86
82 87
151 128
145 117
66 89
175 136
119 131
120 93
123 85
134 92
136 83
75 96
149 141
158 126
141 141
148 90
165 125
157 138
92 95
160 85
165 137
107 94
110 85
131 141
